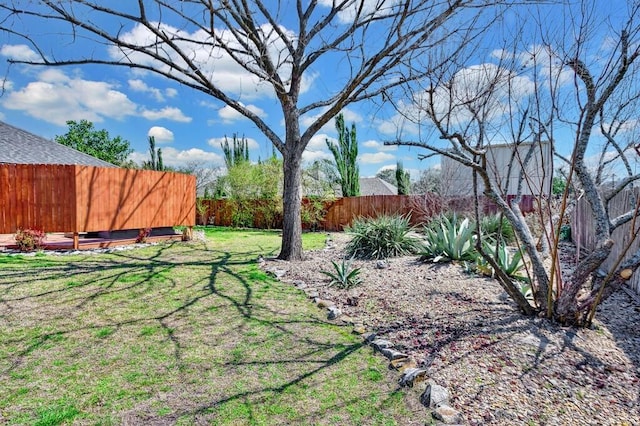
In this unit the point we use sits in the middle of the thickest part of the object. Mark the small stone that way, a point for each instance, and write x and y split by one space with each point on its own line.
392 354
300 284
346 319
369 337
359 329
311 293
325 303
434 396
334 313
382 264
413 376
403 364
447 415
381 344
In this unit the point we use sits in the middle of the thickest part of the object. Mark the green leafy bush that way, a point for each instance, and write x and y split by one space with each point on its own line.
382 237
29 239
449 238
497 227
343 276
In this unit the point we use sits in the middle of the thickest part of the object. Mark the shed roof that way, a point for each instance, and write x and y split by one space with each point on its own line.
17 146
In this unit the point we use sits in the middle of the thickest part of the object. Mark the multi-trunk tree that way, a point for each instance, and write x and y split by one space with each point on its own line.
565 90
367 48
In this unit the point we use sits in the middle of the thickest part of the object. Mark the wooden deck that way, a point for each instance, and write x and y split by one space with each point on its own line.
58 241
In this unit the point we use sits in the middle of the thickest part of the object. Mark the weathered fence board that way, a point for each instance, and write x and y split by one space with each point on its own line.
583 231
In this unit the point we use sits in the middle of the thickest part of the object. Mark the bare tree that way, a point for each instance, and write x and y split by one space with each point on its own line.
206 174
279 44
548 91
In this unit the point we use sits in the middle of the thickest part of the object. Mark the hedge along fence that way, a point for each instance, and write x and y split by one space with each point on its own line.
340 213
72 198
583 231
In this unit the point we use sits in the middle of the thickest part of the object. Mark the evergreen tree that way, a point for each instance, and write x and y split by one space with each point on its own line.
345 154
403 179
156 162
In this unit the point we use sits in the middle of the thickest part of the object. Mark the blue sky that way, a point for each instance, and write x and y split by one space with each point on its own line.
187 125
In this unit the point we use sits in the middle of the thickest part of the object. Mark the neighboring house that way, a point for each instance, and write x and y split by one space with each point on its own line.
504 163
18 146
376 186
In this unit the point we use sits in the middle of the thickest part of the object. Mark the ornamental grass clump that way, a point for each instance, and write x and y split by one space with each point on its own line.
382 237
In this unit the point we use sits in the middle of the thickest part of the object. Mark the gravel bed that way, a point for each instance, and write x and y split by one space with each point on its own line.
501 368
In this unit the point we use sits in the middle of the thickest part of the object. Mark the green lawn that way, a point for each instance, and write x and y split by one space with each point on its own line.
181 334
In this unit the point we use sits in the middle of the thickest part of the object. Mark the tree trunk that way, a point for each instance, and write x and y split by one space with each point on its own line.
292 201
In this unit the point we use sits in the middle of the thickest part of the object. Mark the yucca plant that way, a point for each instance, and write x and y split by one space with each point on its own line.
382 237
343 276
449 239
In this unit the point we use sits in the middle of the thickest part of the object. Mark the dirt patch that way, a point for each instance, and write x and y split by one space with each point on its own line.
500 367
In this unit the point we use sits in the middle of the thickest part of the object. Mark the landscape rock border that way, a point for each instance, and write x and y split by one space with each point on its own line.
433 396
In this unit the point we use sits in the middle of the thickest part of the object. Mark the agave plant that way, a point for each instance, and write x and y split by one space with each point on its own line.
343 276
449 239
511 263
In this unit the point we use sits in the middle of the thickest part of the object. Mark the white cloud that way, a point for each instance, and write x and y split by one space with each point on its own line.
229 115
318 142
213 61
330 127
216 143
161 134
167 113
170 93
56 98
399 124
176 158
140 86
309 156
366 8
375 158
386 167
379 146
19 52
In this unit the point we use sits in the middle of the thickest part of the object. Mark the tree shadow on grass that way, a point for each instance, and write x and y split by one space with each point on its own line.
186 286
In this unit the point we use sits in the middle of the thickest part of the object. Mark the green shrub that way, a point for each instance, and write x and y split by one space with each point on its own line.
382 237
497 227
343 276
29 239
448 238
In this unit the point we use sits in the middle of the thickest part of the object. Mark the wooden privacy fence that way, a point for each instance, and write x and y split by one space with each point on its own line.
72 198
341 212
583 231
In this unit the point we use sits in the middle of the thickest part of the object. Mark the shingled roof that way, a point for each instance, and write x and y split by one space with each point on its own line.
376 186
18 146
